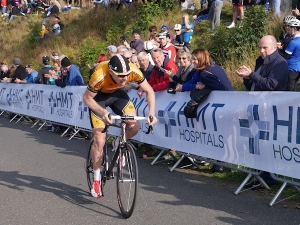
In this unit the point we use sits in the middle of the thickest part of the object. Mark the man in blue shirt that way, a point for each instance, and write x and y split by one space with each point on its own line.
31 76
187 29
73 76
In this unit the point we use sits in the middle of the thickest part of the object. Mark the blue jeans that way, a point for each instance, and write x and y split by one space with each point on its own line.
4 9
276 5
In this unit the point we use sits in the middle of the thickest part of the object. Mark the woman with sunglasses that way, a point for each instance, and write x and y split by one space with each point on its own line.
185 70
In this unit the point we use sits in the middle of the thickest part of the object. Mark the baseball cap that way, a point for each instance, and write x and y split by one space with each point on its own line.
17 61
177 27
164 27
45 59
119 64
112 48
28 66
163 34
148 45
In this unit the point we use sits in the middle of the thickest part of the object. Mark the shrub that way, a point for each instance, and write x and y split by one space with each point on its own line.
238 42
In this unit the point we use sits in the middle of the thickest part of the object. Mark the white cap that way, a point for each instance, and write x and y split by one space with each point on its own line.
177 27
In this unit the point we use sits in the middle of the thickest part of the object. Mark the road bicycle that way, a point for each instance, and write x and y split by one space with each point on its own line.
127 169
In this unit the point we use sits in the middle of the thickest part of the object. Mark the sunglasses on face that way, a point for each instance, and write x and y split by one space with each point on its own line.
123 76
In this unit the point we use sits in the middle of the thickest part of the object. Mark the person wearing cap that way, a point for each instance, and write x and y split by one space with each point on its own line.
187 29
72 77
179 43
20 72
136 43
105 89
159 80
41 78
111 50
31 76
171 36
168 48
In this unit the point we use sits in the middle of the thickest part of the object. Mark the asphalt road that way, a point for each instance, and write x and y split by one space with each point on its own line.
43 181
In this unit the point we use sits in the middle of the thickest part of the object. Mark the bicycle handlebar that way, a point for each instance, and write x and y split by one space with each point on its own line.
124 118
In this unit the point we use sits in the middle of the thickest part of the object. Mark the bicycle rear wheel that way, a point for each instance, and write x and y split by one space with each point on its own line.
127 181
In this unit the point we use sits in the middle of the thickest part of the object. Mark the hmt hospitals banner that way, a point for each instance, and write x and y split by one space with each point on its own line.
260 130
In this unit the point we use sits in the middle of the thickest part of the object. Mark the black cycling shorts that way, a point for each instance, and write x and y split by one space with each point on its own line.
118 101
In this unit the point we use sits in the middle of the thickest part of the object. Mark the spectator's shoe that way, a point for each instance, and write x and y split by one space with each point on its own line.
217 169
23 14
241 25
232 25
96 189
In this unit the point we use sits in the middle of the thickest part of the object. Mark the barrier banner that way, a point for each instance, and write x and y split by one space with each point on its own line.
260 130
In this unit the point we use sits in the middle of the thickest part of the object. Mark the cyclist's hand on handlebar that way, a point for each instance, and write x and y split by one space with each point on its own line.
152 120
106 117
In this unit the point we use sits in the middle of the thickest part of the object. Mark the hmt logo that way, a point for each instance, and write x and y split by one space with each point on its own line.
254 129
167 118
82 109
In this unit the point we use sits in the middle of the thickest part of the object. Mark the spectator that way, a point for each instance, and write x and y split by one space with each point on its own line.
20 70
187 29
185 71
145 65
292 54
73 76
286 35
4 6
202 2
208 75
13 13
42 78
214 14
171 36
100 58
178 44
127 54
168 49
153 36
56 27
270 74
137 43
112 50
31 76
134 60
122 49
4 70
43 34
158 79
55 58
238 9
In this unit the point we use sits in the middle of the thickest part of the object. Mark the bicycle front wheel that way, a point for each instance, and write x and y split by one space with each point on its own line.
127 181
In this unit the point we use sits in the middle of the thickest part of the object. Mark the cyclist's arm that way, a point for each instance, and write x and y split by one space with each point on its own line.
88 99
150 96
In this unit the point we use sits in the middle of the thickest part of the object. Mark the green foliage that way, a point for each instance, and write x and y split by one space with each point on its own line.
240 41
146 14
33 33
168 5
117 27
90 49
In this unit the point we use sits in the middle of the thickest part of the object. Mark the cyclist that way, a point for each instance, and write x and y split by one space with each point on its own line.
105 89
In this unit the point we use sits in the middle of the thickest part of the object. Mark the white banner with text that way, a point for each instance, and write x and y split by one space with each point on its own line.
260 130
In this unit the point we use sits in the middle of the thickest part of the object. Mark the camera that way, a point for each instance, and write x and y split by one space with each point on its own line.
171 91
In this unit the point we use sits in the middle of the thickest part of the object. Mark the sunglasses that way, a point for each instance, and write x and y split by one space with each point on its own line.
176 30
182 58
123 76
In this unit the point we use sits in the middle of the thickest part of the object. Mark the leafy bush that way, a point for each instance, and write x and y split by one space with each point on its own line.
33 33
238 42
90 49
